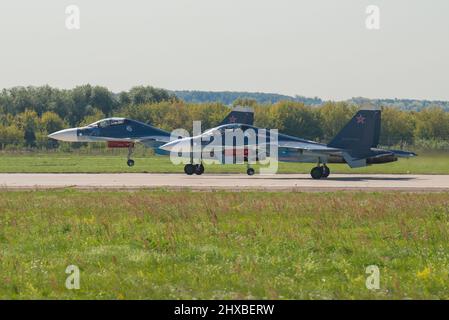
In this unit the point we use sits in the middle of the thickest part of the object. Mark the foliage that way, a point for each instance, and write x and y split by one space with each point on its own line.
334 116
37 111
397 127
432 123
10 135
229 97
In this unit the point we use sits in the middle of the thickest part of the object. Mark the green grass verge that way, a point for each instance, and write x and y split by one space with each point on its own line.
220 245
71 163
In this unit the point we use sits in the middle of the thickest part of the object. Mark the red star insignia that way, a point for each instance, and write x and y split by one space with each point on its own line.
360 119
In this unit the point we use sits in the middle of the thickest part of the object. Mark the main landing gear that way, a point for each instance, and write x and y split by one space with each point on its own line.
130 161
320 172
191 169
249 171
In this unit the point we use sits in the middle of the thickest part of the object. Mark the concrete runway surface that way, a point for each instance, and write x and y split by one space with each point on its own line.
235 182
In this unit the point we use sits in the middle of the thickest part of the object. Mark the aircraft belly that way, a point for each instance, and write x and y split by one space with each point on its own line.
297 155
298 159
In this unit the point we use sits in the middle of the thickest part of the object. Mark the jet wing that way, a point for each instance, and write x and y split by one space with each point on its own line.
164 139
154 141
307 146
403 154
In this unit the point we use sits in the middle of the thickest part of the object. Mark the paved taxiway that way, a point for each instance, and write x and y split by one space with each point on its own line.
279 182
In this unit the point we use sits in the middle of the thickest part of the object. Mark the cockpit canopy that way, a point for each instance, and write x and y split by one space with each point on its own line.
107 122
222 129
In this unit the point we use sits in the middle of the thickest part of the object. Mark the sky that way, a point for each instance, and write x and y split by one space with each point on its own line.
312 48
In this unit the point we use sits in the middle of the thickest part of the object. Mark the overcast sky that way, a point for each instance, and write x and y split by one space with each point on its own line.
312 48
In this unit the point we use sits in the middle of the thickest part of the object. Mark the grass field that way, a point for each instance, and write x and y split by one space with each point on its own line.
58 163
160 245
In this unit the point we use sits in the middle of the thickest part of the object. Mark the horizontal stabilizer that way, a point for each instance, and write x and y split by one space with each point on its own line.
354 162
403 154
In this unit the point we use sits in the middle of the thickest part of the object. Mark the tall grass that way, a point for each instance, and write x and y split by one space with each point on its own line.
219 245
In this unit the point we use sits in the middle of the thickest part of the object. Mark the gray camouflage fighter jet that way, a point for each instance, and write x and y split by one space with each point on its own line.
124 133
356 144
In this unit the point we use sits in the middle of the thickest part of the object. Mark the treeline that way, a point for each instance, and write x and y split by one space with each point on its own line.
28 115
228 97
403 104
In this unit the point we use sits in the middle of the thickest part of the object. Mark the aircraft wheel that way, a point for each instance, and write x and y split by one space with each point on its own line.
317 172
130 162
250 171
199 169
326 171
189 169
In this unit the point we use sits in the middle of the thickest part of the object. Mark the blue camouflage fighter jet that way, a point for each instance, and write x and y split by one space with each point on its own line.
356 145
124 133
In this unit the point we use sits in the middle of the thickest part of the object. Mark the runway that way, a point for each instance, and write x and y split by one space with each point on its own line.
234 182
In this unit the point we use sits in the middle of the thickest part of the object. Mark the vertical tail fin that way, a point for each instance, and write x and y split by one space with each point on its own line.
243 115
361 133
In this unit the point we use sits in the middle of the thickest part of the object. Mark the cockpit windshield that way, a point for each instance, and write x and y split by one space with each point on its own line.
221 129
107 122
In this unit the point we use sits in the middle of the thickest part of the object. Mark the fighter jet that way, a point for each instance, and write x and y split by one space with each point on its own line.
124 133
356 145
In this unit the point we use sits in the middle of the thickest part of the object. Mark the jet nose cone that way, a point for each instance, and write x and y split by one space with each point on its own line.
169 146
69 135
177 145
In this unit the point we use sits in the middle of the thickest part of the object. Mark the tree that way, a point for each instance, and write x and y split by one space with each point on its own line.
432 123
296 119
51 122
81 99
210 114
142 95
28 122
124 98
397 127
334 116
102 99
93 116
10 136
245 102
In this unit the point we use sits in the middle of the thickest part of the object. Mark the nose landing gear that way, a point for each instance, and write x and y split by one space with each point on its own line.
249 171
130 162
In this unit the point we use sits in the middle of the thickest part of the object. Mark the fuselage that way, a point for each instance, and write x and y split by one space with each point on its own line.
301 150
112 129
